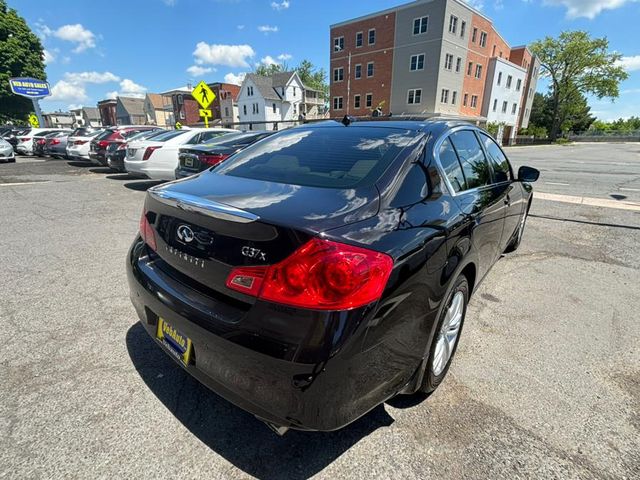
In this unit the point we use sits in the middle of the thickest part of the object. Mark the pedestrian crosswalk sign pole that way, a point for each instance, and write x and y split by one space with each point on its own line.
205 97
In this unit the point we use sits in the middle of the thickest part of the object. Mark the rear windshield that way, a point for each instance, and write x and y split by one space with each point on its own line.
231 139
335 157
104 135
82 132
164 136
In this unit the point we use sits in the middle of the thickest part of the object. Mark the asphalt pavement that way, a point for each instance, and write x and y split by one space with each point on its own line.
545 383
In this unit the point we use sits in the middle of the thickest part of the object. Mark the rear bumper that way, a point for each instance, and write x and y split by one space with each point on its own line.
329 389
145 169
99 158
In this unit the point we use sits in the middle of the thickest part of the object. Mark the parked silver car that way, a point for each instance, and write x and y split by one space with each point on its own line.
6 151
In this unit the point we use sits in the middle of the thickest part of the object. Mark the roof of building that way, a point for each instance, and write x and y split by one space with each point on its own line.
92 113
267 85
132 105
184 89
156 100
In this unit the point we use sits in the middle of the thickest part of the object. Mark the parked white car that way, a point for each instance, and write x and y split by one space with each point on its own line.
25 142
6 152
157 158
79 142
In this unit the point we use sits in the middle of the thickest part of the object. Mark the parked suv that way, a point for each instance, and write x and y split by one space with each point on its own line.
100 143
327 268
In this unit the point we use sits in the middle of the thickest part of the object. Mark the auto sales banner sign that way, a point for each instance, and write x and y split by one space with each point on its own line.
29 87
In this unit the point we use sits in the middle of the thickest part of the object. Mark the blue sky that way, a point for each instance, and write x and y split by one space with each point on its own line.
98 49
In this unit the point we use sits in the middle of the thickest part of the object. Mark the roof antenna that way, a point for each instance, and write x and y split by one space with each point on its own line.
347 120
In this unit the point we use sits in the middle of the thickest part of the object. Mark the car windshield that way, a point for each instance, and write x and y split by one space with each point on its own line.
146 135
164 136
344 157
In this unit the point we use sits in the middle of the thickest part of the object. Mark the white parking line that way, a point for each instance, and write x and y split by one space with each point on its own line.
594 202
557 183
630 189
21 183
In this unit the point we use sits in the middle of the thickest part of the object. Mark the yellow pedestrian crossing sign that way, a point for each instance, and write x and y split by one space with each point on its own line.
203 94
178 126
33 121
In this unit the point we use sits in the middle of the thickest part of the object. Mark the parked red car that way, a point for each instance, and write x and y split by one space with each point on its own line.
119 134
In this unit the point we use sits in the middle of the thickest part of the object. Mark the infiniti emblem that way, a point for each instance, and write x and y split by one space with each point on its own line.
185 233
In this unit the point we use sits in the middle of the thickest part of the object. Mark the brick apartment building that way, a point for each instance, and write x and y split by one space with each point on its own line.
438 57
186 109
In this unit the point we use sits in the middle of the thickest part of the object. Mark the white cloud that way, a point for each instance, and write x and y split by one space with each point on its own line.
280 6
82 37
229 55
240 27
268 29
74 106
268 60
169 3
112 95
587 8
234 79
198 71
49 56
129 88
630 64
91 77
477 4
64 91
285 56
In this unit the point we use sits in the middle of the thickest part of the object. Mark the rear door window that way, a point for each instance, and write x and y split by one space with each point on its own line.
474 164
335 157
499 162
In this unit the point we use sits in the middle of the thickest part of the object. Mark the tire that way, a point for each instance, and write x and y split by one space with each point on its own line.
437 366
517 239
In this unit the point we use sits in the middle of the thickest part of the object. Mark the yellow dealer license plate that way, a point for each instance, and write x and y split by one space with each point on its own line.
179 345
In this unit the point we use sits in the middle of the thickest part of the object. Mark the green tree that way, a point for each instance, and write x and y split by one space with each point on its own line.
577 64
21 55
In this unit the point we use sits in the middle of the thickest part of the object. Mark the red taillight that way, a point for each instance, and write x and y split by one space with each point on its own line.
42 141
320 275
103 144
25 139
213 159
80 142
54 141
146 231
149 151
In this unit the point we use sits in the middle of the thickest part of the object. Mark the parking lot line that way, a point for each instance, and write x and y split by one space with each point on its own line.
594 202
22 183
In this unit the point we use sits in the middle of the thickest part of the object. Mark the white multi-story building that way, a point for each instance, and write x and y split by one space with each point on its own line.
267 100
503 97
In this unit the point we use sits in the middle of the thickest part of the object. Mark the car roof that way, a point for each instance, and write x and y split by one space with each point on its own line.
435 126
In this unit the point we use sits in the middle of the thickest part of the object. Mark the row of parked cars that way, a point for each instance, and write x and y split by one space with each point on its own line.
144 151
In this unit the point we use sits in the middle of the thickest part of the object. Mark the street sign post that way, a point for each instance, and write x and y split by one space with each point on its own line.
205 97
31 88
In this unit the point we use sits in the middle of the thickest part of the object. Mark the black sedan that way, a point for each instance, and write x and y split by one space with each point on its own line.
328 268
197 158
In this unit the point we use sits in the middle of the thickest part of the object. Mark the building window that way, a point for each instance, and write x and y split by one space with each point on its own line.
244 109
356 101
478 71
414 96
518 85
359 39
294 91
514 109
448 61
249 91
483 39
338 74
463 28
495 105
372 36
358 72
465 99
469 68
417 62
453 24
458 65
504 107
509 80
337 103
499 78
338 44
274 108
474 101
454 97
226 111
530 92
368 99
370 69
474 35
420 25
444 96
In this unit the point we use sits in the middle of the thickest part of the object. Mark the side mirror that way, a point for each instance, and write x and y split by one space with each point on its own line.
528 174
